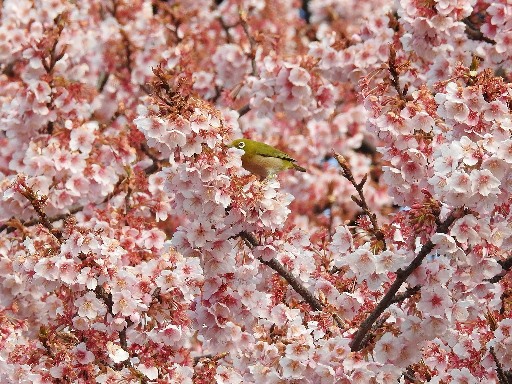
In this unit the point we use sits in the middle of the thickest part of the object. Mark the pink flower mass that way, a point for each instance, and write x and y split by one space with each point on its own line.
135 248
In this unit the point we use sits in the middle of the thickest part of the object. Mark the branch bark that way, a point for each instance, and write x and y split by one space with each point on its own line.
401 276
506 265
361 200
252 242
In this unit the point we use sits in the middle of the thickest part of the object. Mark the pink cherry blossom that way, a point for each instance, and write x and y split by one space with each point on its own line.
135 246
83 356
90 306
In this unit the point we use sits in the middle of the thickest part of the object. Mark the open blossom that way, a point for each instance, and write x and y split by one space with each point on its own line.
83 137
361 262
116 353
135 247
231 65
505 151
342 240
387 348
124 303
434 301
83 355
90 306
465 230
484 182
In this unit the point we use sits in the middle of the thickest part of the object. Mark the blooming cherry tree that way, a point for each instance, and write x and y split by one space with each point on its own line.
135 247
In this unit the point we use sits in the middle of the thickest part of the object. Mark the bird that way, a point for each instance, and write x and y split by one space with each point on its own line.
262 159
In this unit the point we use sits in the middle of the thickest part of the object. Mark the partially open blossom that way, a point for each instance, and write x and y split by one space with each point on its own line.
135 246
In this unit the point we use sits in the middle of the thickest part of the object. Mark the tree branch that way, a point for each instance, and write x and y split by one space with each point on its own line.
506 265
474 33
252 42
242 111
401 276
226 28
252 242
297 286
149 171
361 201
395 76
502 375
405 295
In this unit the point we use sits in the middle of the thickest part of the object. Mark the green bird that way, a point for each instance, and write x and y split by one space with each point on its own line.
262 159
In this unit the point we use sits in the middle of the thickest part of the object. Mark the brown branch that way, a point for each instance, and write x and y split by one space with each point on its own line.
401 277
252 242
53 219
242 111
147 90
29 223
379 323
475 34
38 203
210 357
127 50
197 359
8 69
409 375
156 161
53 57
367 148
361 201
395 77
295 283
297 286
503 377
409 292
226 29
506 265
107 298
252 42
102 81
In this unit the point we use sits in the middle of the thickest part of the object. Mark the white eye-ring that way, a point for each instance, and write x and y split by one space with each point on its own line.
241 145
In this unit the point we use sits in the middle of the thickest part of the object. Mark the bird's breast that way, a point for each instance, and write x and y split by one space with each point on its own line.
263 166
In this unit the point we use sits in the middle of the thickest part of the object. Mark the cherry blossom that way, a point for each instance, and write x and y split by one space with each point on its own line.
135 247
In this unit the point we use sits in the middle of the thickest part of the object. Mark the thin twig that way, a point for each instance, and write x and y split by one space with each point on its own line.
102 81
242 111
399 297
210 357
127 49
226 28
361 201
506 265
409 375
306 11
38 203
379 323
252 242
475 34
502 376
252 42
50 61
107 298
395 76
29 223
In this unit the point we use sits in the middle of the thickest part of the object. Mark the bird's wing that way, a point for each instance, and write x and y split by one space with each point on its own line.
268 151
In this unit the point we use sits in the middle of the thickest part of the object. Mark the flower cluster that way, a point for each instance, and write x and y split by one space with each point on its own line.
287 88
135 247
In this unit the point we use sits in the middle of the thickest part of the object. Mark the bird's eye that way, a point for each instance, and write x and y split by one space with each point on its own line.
241 145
